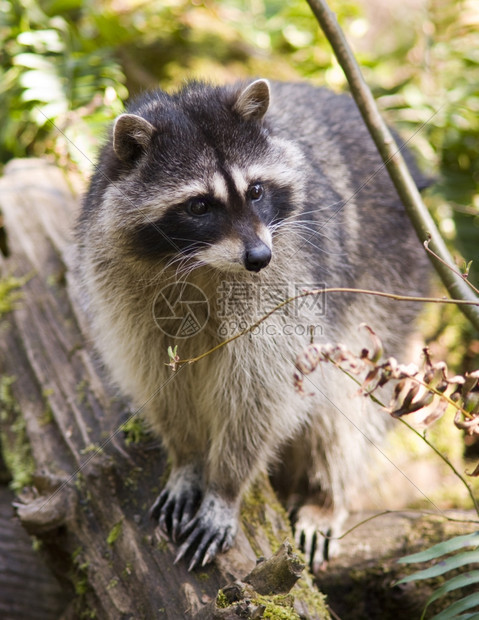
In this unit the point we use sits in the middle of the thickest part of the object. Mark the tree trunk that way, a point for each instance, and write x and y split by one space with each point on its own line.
90 491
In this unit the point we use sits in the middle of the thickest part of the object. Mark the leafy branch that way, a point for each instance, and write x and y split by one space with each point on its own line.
414 391
434 392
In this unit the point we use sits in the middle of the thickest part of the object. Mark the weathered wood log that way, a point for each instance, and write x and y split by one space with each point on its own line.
90 490
278 574
27 588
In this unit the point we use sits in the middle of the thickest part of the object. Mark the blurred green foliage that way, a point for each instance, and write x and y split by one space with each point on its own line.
434 99
66 66
70 63
54 68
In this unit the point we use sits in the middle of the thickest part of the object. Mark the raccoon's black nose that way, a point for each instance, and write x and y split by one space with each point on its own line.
257 257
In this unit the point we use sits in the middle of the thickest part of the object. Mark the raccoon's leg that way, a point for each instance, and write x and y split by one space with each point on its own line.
316 531
177 503
311 482
214 527
233 460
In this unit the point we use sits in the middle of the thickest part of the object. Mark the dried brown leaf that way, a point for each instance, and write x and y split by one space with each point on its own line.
307 361
474 473
437 412
470 425
377 351
470 381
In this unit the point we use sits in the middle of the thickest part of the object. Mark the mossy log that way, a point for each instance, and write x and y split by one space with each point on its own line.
89 490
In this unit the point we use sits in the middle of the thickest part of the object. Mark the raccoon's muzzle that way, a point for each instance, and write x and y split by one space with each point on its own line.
257 257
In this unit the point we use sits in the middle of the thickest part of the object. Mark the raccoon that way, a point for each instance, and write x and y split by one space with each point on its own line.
207 208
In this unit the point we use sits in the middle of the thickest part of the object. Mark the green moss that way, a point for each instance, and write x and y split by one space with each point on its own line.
79 577
47 415
278 607
81 391
80 583
13 438
10 293
253 514
305 591
221 600
127 571
79 481
112 583
37 544
81 487
115 532
161 544
135 430
131 480
92 447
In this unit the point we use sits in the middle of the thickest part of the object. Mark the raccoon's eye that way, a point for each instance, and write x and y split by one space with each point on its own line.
256 192
198 206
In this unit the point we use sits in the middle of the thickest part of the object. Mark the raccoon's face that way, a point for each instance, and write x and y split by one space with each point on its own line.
205 177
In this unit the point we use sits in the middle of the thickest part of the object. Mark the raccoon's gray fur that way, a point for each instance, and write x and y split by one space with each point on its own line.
249 200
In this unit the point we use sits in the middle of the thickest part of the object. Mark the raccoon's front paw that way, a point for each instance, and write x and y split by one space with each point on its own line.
315 533
177 503
212 530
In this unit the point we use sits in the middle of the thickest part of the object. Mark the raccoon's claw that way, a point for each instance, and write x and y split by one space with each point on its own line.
173 512
155 510
314 544
207 545
315 533
210 532
176 505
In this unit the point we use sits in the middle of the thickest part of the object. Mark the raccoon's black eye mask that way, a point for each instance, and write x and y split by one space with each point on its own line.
183 229
200 206
203 220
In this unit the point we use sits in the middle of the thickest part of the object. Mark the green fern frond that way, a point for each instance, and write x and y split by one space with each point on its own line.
463 604
448 546
469 603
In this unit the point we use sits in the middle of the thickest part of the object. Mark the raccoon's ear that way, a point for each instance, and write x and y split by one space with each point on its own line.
253 101
131 136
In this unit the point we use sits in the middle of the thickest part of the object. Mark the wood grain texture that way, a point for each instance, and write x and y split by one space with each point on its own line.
27 588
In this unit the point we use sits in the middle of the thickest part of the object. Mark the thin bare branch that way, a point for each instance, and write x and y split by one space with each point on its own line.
464 276
175 362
